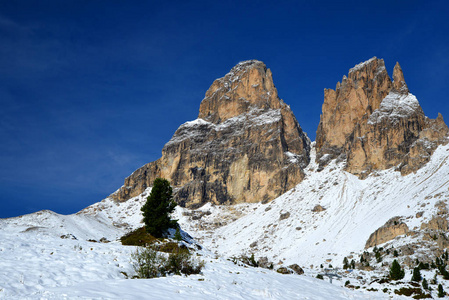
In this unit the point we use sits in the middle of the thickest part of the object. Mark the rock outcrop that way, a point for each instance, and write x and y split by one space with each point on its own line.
375 123
393 228
245 146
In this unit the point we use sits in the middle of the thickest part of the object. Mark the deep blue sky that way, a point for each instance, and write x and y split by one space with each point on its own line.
92 90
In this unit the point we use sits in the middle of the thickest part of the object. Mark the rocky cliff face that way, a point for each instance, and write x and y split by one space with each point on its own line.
245 146
376 123
392 228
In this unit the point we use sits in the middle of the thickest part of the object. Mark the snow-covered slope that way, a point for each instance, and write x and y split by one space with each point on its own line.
292 229
326 217
37 263
77 226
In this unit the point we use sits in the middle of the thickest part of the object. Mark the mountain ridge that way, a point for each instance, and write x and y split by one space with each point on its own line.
375 123
230 154
245 146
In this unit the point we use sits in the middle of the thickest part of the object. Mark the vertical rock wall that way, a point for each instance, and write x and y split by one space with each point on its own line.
375 123
245 146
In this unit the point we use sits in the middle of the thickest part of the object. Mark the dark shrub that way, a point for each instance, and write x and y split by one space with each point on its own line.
138 237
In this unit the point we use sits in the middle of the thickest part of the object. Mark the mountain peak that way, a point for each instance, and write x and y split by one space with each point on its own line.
365 64
248 64
398 80
245 146
248 85
374 123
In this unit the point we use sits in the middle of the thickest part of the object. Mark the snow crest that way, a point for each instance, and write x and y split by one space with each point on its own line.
196 128
395 105
362 64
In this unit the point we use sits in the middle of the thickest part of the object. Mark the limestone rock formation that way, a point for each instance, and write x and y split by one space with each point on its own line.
375 123
245 146
393 228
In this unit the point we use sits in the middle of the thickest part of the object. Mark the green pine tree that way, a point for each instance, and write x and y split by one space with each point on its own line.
441 292
416 274
157 209
345 263
425 285
378 256
396 272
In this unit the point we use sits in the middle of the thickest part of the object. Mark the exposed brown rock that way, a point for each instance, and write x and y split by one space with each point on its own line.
263 262
318 208
284 270
375 123
437 223
346 107
297 269
435 230
393 228
399 84
284 216
245 146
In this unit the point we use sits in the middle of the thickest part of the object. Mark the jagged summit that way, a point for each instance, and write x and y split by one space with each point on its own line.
251 63
249 85
245 146
399 84
360 66
375 123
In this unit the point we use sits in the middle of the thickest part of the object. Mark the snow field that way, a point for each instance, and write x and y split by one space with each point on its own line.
42 267
31 263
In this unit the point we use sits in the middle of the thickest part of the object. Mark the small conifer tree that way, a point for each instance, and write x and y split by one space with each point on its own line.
157 209
345 263
443 271
396 272
378 256
425 285
352 264
441 292
416 274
